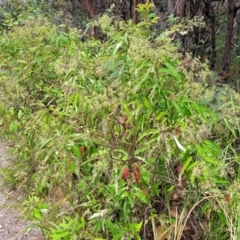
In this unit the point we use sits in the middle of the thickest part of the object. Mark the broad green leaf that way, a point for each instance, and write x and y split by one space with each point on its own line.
171 188
211 160
147 104
136 226
147 133
72 167
192 165
186 163
211 146
221 181
127 110
141 149
120 154
37 213
60 234
22 61
160 115
230 127
118 45
222 217
76 151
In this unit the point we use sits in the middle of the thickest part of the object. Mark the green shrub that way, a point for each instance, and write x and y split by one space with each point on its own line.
81 113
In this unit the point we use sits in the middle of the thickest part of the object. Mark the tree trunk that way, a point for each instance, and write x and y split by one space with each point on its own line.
213 43
180 8
229 35
170 7
135 2
238 38
212 18
89 7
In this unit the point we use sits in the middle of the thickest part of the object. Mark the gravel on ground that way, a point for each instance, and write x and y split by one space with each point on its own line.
13 225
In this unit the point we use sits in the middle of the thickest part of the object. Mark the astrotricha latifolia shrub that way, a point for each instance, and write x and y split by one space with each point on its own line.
107 140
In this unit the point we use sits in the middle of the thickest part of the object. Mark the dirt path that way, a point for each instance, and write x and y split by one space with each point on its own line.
12 224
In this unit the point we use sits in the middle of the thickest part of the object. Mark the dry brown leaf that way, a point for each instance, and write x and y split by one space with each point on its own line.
174 213
161 234
205 226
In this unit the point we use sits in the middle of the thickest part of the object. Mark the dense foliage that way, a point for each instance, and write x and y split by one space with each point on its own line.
114 138
214 33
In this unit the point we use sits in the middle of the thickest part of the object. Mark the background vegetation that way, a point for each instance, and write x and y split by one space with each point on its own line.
121 129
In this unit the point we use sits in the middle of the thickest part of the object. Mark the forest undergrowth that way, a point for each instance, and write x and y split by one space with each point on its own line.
120 137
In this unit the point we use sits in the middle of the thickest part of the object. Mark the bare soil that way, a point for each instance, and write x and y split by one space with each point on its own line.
13 225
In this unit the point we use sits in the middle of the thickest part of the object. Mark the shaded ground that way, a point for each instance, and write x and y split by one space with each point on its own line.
13 226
